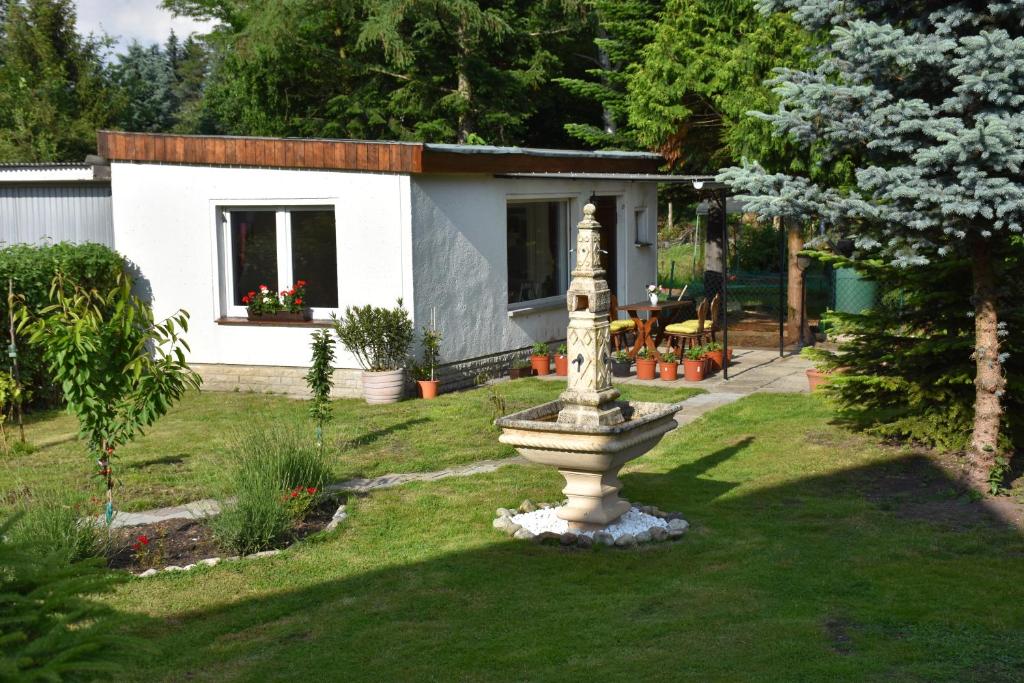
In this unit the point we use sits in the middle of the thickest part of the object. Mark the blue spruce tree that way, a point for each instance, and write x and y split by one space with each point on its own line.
923 100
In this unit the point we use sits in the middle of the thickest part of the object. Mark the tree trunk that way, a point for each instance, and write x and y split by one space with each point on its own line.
465 89
989 382
607 118
795 289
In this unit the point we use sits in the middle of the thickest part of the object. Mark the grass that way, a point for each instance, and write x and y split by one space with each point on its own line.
682 255
184 456
814 554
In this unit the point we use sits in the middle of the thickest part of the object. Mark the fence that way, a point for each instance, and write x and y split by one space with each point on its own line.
758 294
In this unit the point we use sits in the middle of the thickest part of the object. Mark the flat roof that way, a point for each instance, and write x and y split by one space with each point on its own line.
363 155
52 172
697 182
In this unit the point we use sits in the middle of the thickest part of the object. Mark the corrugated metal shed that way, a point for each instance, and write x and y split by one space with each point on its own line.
55 203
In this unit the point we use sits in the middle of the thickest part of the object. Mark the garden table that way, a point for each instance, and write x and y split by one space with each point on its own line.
650 331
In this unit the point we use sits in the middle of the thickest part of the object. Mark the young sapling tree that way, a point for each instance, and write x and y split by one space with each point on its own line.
320 380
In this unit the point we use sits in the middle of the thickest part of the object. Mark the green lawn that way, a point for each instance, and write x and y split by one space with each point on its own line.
682 255
183 456
814 555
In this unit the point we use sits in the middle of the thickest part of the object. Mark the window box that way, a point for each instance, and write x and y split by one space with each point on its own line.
281 316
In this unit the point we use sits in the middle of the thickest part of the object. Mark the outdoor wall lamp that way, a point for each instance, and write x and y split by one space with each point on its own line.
698 184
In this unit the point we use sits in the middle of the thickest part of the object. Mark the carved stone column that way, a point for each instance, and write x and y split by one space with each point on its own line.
589 398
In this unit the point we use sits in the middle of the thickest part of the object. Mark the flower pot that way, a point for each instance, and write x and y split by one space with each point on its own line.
645 368
383 387
815 378
621 368
516 373
716 360
694 370
561 365
669 371
541 364
428 387
304 315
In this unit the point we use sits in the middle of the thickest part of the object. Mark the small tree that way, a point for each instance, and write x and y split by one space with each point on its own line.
119 370
320 381
379 338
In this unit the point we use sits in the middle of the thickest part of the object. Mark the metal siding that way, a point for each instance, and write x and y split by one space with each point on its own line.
73 212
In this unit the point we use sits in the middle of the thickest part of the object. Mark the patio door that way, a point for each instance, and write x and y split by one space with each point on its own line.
608 216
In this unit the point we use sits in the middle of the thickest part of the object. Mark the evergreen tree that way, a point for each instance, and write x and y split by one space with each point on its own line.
146 78
925 98
624 27
700 74
54 90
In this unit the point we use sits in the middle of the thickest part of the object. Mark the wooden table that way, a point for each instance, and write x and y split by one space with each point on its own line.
650 331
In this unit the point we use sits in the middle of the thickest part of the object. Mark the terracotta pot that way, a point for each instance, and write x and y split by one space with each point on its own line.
428 387
517 373
669 371
561 365
383 387
304 315
645 368
541 364
716 359
694 370
816 378
622 369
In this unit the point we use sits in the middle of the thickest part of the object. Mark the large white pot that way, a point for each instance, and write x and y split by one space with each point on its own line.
383 387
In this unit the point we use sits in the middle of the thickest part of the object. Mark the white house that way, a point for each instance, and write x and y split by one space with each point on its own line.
479 235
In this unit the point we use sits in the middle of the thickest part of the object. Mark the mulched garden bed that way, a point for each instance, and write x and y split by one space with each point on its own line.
182 542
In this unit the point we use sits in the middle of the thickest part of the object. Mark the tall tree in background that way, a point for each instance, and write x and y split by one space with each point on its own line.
700 75
926 96
54 91
146 78
624 27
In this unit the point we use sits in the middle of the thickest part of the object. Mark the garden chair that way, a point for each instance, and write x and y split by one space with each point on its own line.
688 332
619 328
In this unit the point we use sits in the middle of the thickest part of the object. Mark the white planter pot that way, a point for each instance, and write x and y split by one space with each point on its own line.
383 387
653 298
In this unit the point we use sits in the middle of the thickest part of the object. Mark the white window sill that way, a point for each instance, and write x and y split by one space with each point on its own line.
536 306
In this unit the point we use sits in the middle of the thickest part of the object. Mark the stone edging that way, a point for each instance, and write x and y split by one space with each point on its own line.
339 516
677 526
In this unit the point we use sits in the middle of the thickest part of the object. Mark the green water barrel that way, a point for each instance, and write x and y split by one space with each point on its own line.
854 293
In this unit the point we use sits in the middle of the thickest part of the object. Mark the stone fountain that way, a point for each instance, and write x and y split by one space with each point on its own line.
588 434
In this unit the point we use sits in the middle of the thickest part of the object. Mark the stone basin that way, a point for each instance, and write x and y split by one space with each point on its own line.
588 456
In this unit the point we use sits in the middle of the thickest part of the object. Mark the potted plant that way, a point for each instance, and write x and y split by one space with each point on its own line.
426 379
695 364
561 361
379 338
520 368
645 364
540 360
621 364
715 352
653 292
286 306
668 367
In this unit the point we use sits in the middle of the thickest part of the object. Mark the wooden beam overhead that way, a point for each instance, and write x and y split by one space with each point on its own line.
358 155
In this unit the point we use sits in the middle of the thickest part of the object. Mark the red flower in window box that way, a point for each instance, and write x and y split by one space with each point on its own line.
286 306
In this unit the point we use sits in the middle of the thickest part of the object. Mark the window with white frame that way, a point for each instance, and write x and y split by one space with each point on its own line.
537 254
276 247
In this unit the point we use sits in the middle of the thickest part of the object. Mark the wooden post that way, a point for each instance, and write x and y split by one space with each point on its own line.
714 246
15 372
797 329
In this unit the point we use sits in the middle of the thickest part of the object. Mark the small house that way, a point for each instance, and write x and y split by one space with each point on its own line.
479 237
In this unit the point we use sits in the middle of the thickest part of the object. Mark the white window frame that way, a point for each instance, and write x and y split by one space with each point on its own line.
558 299
283 233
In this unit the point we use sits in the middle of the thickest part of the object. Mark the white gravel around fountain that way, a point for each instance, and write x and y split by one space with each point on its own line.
632 522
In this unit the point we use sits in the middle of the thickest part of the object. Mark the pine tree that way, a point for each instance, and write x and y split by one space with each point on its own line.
702 71
925 99
54 90
146 78
624 28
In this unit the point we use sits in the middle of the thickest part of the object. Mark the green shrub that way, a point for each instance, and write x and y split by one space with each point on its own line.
52 627
274 468
31 269
52 523
379 338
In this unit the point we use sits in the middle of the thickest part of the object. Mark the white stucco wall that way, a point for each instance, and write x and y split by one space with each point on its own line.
165 222
460 260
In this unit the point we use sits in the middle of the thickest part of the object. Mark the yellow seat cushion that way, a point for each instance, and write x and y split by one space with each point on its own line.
686 327
623 325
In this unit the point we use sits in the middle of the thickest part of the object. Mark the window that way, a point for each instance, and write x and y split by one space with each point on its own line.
276 247
537 252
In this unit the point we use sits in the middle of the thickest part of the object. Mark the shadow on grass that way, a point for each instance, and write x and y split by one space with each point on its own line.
154 462
810 580
371 437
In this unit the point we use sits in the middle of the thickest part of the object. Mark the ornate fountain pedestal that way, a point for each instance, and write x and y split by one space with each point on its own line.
588 434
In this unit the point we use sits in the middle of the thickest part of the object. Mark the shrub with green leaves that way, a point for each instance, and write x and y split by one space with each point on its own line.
53 523
272 461
378 337
52 627
320 380
31 269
